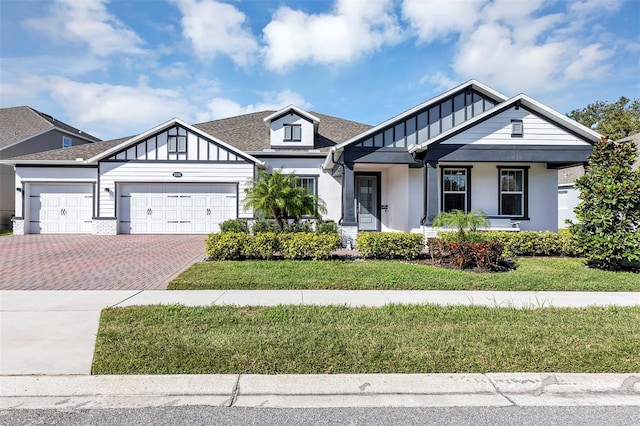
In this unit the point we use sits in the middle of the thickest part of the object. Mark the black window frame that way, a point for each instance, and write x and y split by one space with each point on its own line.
315 187
525 191
517 128
291 129
467 170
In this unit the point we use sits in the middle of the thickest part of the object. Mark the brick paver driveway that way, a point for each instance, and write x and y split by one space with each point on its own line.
92 262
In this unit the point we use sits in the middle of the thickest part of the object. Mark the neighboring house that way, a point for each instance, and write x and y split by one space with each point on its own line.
567 193
24 130
469 148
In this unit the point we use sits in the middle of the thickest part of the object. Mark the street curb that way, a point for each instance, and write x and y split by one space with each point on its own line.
314 391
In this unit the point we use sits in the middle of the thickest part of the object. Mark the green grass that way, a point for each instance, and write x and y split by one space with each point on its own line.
392 339
561 274
5 232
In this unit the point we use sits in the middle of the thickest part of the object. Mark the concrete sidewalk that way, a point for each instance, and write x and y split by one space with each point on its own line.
53 332
47 340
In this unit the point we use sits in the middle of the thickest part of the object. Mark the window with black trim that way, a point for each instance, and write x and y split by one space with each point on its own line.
308 183
292 132
513 192
455 189
177 141
67 142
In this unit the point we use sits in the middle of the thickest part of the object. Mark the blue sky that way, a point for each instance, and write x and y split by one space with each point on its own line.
116 68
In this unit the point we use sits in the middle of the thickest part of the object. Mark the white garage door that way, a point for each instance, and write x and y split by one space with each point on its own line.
61 209
177 208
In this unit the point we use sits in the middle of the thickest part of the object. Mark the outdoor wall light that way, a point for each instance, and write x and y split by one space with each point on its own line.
19 189
107 190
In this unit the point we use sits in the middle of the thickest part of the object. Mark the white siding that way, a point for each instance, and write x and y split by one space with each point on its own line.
277 132
27 175
497 130
542 193
114 173
329 187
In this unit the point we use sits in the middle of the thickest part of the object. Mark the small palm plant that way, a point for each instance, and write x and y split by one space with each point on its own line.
462 221
279 196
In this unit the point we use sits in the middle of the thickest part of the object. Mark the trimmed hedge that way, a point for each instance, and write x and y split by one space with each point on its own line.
308 245
235 225
523 243
298 246
389 245
264 225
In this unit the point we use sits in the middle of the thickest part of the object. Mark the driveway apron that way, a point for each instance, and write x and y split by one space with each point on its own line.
95 262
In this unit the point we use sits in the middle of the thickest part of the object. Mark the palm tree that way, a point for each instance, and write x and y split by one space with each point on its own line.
462 221
279 196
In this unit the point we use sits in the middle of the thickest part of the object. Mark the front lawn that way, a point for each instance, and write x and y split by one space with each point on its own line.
5 232
540 274
392 339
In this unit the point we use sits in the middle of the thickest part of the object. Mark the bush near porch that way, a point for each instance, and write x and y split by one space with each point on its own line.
523 243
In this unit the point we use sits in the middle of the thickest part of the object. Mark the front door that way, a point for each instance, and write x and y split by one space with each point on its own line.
367 202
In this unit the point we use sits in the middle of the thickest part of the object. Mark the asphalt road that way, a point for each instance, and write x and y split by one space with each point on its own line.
170 416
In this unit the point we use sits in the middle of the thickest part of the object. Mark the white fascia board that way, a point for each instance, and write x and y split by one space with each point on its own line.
294 108
486 90
525 101
328 161
46 162
162 127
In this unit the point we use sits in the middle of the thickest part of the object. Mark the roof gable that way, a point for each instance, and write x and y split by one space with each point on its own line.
175 123
521 100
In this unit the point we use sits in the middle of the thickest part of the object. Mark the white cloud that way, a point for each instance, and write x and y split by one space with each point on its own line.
217 28
88 22
517 46
223 107
589 63
435 19
116 109
352 29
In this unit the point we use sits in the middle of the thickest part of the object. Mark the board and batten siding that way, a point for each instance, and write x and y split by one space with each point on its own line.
113 173
497 130
198 148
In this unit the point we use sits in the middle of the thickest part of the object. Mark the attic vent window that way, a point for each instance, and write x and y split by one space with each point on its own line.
292 132
517 129
67 142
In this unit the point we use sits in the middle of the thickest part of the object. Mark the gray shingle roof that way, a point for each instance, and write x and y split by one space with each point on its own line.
84 151
246 132
250 133
18 123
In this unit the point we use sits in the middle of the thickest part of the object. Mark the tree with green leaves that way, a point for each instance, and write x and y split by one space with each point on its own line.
616 120
462 221
280 196
607 231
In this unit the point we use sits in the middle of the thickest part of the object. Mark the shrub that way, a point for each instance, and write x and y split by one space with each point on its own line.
326 227
293 228
523 243
308 245
261 246
465 254
607 231
389 245
234 225
264 225
226 246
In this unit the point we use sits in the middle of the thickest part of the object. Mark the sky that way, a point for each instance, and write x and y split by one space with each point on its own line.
116 68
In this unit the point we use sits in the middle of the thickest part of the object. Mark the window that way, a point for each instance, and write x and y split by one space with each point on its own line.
513 183
293 132
67 142
308 183
517 129
177 144
455 189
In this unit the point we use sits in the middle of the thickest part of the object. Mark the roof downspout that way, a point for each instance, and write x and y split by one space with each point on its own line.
341 164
